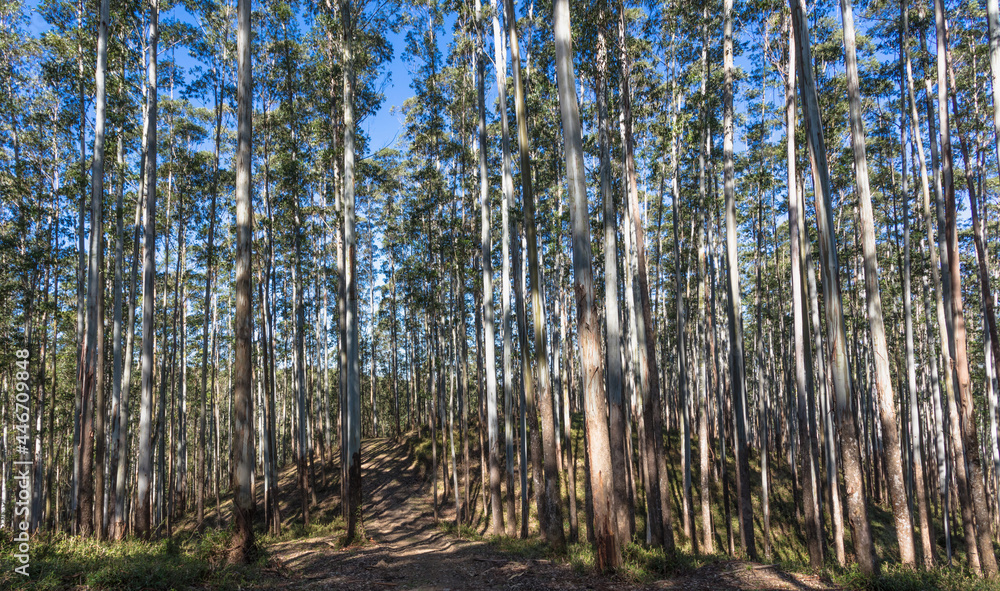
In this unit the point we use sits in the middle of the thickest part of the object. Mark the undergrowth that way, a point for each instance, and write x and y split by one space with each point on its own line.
61 562
895 577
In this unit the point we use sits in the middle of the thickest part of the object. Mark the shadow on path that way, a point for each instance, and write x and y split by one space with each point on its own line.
405 549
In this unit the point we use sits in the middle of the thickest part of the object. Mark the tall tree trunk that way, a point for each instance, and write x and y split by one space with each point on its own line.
876 325
681 385
803 365
566 389
122 373
178 497
911 375
646 333
839 363
243 545
544 471
209 276
500 62
976 487
526 402
612 317
51 495
734 304
989 322
100 407
927 544
116 335
496 516
943 295
708 545
353 384
598 449
93 362
145 456
925 188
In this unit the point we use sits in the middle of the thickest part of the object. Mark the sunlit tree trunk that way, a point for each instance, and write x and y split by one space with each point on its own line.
209 269
880 352
243 545
989 321
500 63
93 349
708 544
647 335
353 385
612 316
974 479
734 307
803 365
116 338
81 276
543 450
145 456
496 516
839 364
608 544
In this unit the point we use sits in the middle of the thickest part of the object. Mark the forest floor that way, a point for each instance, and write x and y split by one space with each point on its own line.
405 548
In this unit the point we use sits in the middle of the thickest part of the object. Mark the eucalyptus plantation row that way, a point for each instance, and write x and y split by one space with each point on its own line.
732 382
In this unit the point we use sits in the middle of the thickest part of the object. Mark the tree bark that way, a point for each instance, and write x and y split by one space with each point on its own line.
496 516
646 333
599 472
144 461
803 365
839 363
243 545
876 324
353 384
970 437
542 444
500 62
612 316
734 304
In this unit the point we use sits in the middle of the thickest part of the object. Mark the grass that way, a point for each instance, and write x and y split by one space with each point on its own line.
894 577
63 562
187 560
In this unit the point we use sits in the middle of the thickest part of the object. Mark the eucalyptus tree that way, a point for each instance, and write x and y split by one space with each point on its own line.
211 48
243 543
839 363
496 516
507 188
551 520
883 379
608 544
803 351
613 352
144 460
351 455
738 383
92 424
970 439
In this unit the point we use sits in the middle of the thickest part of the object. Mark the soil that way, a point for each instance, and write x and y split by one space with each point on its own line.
406 549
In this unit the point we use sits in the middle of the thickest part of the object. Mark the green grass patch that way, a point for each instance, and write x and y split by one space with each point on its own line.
895 577
328 526
464 530
62 562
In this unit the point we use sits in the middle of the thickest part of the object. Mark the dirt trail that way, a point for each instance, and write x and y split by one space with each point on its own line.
406 550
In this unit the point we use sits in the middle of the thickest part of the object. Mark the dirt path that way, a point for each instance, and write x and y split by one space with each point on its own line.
406 550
